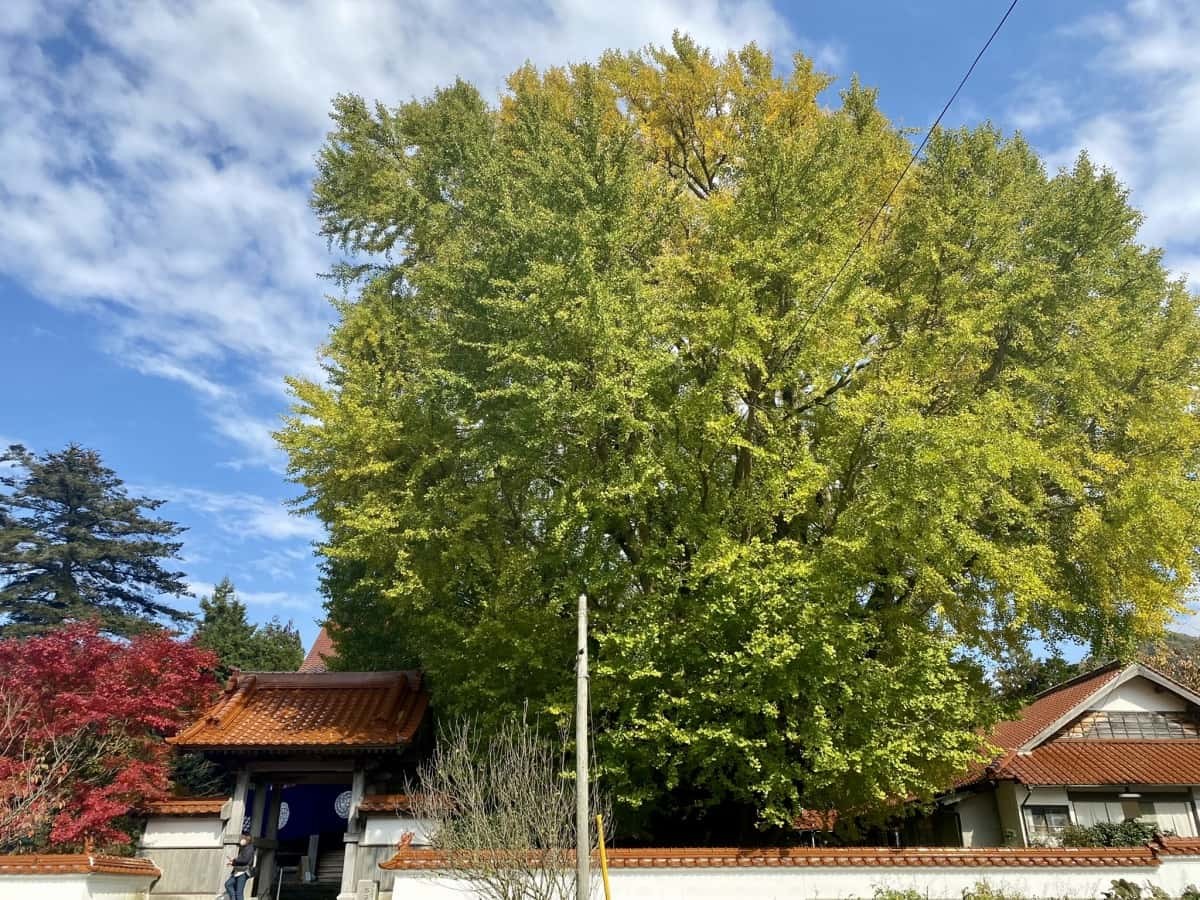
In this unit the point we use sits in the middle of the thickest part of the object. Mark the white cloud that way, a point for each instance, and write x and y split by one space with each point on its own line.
283 565
156 155
200 588
252 434
1038 105
242 514
1189 267
1145 117
268 600
281 600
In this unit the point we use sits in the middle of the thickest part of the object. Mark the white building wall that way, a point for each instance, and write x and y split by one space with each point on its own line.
1008 804
388 829
189 852
833 882
182 831
1140 695
979 820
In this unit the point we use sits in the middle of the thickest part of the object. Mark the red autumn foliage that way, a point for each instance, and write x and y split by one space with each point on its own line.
83 718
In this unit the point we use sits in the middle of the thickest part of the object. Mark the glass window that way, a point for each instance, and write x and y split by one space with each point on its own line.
1090 810
1168 812
1173 816
1124 726
1046 822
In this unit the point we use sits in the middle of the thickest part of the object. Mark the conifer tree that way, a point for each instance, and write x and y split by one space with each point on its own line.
75 545
225 629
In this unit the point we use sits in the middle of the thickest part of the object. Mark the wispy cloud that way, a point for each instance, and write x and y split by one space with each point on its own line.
241 514
261 601
277 600
1139 114
283 565
1037 106
157 156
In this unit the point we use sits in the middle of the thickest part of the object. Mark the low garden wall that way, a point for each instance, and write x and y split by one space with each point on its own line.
836 874
75 877
416 873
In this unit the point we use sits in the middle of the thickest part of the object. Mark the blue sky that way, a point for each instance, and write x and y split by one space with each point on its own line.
158 260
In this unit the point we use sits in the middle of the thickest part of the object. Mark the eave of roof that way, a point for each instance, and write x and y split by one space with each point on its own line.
311 712
1118 675
386 803
1052 705
1095 763
1177 846
187 806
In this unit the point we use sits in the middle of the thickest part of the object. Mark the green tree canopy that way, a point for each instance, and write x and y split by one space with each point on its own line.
75 545
592 342
224 629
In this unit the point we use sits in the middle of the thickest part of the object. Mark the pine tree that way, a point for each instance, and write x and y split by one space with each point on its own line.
225 629
75 545
278 647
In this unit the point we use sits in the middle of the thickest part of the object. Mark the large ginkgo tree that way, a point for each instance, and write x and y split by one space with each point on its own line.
610 336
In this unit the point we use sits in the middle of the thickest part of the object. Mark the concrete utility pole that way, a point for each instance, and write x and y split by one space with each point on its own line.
583 844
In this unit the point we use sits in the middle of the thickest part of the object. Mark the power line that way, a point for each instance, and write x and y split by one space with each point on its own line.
916 154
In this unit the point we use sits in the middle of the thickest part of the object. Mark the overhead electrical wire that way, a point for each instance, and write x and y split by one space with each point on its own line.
916 155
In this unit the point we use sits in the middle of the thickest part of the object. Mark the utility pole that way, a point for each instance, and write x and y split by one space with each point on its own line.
583 843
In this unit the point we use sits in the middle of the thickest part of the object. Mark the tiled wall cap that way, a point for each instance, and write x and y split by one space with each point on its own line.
76 863
417 859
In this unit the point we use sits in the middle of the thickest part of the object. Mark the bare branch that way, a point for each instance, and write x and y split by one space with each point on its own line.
502 811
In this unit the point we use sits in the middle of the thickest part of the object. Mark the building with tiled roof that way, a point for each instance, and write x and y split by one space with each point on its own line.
342 712
1119 742
319 653
310 753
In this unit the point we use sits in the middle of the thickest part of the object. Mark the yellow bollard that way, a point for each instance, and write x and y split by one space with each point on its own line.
603 857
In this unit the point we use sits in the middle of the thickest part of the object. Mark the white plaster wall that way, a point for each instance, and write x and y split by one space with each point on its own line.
386 830
1178 872
73 887
1008 804
44 887
836 883
1172 875
169 832
980 820
1140 695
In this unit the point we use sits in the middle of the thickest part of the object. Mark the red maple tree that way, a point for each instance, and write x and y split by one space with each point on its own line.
83 717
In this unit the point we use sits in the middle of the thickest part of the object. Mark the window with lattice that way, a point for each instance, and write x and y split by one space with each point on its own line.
1123 726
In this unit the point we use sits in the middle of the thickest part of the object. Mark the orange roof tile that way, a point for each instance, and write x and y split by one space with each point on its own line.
1069 761
1082 762
187 806
76 863
1176 846
1050 706
311 710
385 803
319 654
414 859
1046 709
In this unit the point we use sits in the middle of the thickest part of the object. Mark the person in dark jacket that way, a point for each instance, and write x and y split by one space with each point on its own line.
235 886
